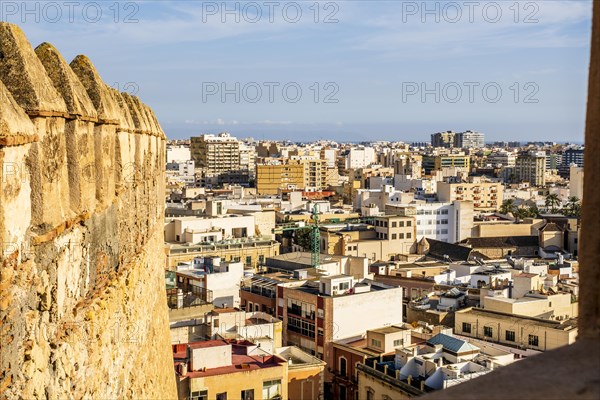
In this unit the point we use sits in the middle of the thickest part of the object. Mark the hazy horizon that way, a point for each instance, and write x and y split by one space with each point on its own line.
342 70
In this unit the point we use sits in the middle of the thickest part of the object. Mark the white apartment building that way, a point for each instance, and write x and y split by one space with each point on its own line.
469 139
448 222
502 158
221 278
178 153
330 155
360 157
421 186
205 230
181 171
248 159
181 168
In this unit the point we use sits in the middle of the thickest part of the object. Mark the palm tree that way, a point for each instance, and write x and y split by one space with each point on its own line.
552 202
573 205
521 213
508 206
533 211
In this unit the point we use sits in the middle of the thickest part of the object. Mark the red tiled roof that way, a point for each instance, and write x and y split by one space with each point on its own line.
240 360
240 363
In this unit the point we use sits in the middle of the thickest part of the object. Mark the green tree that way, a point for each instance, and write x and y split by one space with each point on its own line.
521 213
302 238
573 207
508 206
533 211
552 202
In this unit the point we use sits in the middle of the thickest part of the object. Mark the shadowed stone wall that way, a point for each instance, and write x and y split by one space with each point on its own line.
82 301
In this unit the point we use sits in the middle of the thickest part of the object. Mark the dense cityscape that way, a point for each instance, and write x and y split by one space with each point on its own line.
299 200
374 269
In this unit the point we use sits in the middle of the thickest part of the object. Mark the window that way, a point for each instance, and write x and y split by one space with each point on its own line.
344 285
394 224
402 236
216 323
401 224
301 326
408 235
398 342
343 394
534 340
271 389
199 395
487 331
394 236
408 223
510 336
247 394
320 331
466 327
222 396
376 343
248 260
343 367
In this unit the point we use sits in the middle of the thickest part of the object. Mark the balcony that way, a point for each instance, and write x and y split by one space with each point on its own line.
259 291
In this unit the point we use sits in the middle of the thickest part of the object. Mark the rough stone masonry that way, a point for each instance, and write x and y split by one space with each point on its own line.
82 303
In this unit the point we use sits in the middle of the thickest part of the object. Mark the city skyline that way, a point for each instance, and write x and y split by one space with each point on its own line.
390 71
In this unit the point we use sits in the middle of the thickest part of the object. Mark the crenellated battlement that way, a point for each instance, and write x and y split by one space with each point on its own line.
82 305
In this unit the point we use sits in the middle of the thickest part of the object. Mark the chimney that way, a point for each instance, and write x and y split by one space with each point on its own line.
510 289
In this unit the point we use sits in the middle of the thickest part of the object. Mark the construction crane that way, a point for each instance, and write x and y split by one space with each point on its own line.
315 250
315 236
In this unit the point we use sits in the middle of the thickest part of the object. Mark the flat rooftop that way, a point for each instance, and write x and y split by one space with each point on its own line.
240 360
302 258
564 325
388 329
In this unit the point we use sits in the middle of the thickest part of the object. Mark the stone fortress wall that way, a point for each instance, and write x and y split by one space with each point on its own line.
82 304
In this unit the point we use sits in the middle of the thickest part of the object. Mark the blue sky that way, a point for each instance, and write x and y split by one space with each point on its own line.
371 61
